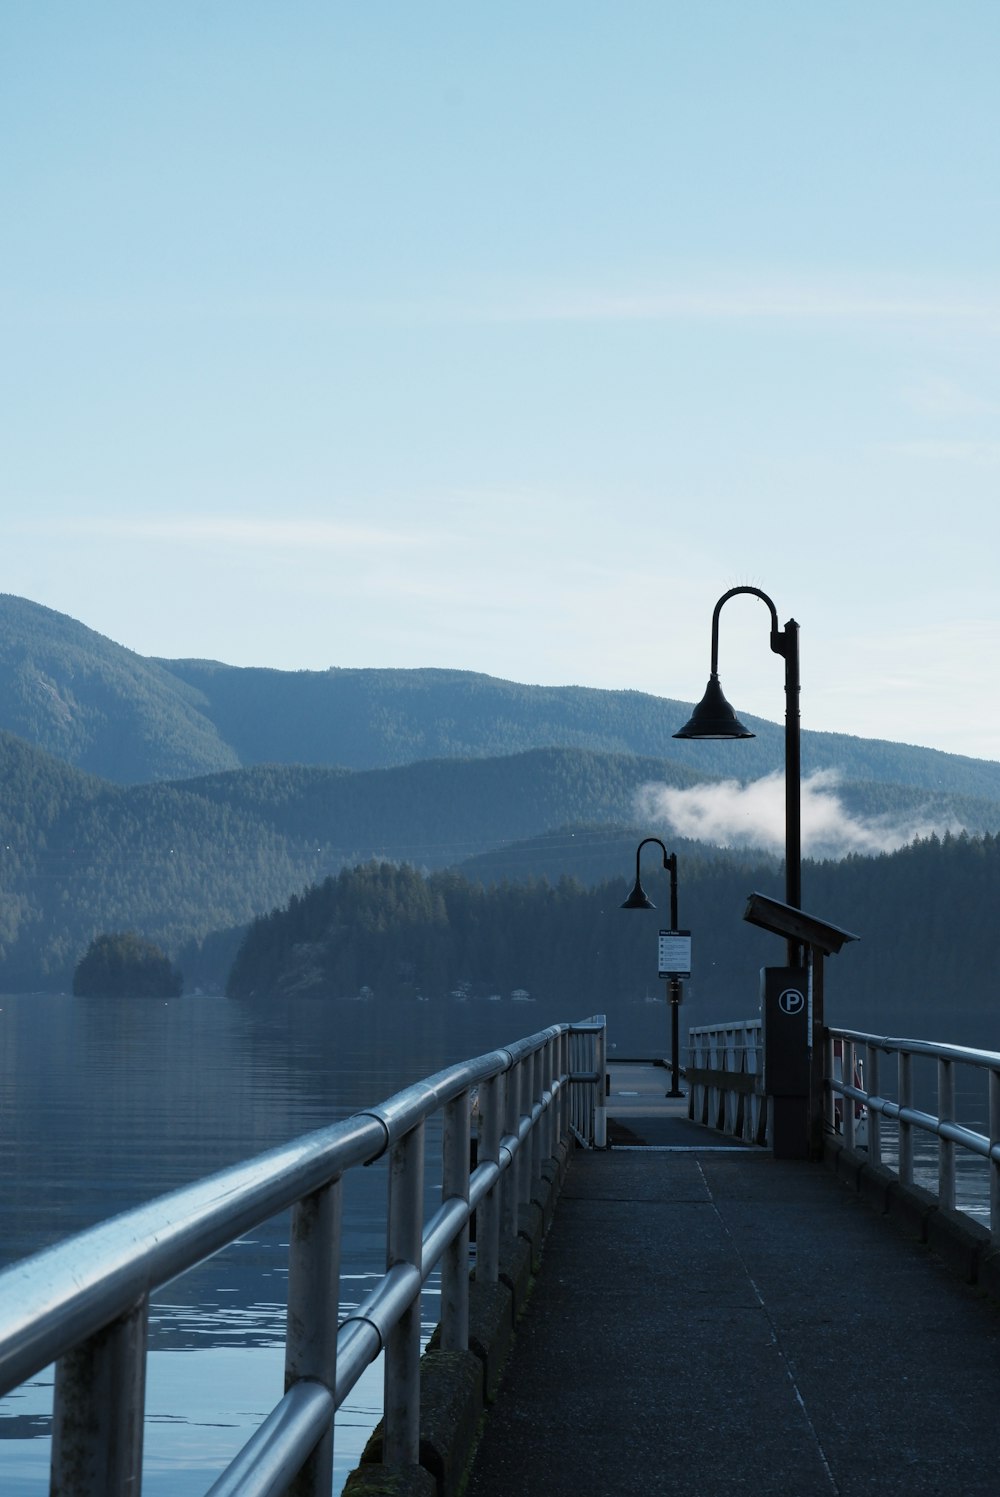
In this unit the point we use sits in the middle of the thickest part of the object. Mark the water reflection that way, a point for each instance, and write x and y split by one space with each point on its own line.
972 1178
108 1103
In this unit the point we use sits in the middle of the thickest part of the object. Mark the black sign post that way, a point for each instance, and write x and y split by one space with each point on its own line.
785 1002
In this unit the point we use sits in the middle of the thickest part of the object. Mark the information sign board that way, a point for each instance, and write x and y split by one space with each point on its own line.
675 953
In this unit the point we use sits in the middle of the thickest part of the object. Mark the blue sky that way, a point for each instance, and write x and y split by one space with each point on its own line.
507 338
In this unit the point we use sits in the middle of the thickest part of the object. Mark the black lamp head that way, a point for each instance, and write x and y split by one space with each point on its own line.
638 899
714 717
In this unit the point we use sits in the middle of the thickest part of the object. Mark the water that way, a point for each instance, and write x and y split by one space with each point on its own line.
972 1171
972 1180
107 1103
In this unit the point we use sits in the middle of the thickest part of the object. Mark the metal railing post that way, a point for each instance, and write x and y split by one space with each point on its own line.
696 1090
549 1069
97 1419
533 1151
874 1116
994 1088
526 1071
946 1146
830 1096
401 1444
905 1086
313 1304
545 1103
847 1103
600 1066
559 1105
581 1094
752 1129
569 1115
731 1101
455 1262
488 1211
512 1113
571 1091
715 1092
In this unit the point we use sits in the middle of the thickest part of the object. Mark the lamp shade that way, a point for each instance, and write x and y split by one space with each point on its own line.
638 899
714 717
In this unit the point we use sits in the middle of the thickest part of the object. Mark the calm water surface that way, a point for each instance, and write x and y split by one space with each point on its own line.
107 1103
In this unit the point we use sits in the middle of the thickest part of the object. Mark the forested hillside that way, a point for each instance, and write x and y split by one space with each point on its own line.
98 706
925 961
177 862
107 710
134 795
369 719
439 812
591 853
81 856
400 934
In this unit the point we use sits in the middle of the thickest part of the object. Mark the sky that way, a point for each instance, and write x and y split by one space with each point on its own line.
508 337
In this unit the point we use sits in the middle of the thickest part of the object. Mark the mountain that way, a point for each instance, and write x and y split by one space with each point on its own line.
173 798
374 719
79 856
97 705
131 720
177 861
440 811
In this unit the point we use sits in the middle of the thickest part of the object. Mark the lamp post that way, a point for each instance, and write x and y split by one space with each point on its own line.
639 900
714 718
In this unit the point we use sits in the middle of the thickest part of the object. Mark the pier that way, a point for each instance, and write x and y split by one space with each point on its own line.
658 1303
708 1319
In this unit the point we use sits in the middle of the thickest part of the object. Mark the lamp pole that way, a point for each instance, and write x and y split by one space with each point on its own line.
638 900
714 718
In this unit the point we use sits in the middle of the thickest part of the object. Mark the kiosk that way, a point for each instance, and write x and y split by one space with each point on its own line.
792 1010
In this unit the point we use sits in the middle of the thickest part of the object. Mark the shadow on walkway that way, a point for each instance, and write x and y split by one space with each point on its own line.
712 1322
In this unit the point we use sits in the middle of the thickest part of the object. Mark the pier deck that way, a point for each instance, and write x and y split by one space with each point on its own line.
711 1321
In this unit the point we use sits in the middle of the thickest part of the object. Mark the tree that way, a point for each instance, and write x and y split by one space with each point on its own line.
123 964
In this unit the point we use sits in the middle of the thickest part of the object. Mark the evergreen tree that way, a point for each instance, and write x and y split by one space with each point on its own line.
123 964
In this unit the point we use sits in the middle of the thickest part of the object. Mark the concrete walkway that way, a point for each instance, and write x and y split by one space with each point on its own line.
713 1321
641 1112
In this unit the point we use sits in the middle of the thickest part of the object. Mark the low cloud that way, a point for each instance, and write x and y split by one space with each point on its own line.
731 814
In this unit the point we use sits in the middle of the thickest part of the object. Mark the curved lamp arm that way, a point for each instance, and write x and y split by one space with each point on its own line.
778 639
638 899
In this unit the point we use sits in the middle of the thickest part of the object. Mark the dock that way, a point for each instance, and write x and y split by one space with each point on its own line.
708 1319
658 1304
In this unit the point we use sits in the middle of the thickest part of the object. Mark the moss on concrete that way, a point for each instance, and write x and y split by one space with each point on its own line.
456 1385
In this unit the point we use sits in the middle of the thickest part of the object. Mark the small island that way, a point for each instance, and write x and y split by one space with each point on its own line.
124 965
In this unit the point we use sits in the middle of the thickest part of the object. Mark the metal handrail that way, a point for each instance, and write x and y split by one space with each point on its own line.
84 1303
725 1079
943 1124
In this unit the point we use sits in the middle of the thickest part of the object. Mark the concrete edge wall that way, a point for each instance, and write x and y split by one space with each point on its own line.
962 1243
456 1388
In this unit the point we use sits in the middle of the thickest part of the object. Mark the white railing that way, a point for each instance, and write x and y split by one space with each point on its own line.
893 1097
84 1303
588 1066
725 1079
